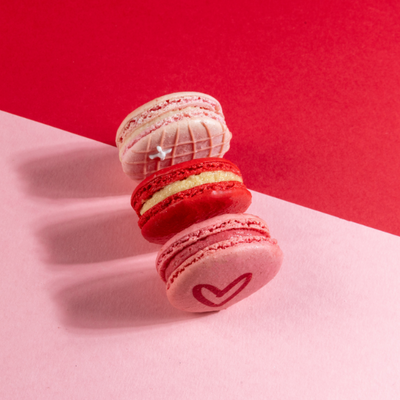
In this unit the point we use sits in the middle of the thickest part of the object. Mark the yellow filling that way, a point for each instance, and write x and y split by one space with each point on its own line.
188 183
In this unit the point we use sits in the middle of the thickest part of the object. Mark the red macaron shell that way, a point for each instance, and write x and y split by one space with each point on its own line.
178 172
194 205
223 186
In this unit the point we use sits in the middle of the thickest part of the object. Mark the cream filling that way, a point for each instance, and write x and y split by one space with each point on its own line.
188 183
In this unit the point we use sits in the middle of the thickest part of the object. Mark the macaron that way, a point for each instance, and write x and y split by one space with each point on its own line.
218 262
176 197
169 130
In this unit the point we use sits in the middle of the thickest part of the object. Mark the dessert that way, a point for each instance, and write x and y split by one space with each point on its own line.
215 263
169 130
176 197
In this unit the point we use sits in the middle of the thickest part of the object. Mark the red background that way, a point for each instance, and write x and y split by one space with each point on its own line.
310 90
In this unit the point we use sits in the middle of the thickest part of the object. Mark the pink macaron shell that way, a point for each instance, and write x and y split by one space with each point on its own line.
188 251
204 229
161 105
183 140
223 274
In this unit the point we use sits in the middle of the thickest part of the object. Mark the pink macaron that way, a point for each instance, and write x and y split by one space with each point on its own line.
218 262
169 130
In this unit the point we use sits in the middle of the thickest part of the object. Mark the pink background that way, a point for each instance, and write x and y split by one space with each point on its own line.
311 92
85 316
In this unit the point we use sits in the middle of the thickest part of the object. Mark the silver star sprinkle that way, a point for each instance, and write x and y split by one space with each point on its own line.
161 153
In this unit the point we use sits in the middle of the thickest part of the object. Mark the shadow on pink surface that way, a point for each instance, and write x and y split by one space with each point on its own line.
89 234
75 172
124 300
94 238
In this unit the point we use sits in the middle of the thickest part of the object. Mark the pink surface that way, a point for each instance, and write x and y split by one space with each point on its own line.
85 316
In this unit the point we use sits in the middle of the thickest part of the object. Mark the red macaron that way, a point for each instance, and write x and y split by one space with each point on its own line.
176 197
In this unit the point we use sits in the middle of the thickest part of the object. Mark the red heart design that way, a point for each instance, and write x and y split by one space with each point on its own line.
198 295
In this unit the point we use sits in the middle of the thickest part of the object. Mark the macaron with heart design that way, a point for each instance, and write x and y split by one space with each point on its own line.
174 198
218 262
169 130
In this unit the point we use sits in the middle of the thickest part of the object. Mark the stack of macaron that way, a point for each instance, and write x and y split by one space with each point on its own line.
192 202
